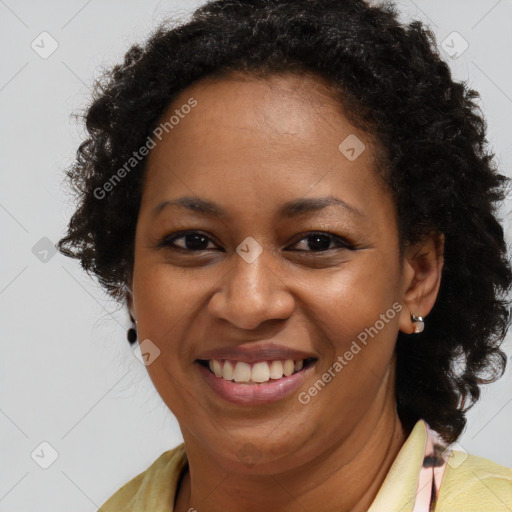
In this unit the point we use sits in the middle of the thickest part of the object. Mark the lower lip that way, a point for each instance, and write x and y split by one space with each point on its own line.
252 394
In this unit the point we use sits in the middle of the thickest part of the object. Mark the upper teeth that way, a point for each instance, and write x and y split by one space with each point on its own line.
262 371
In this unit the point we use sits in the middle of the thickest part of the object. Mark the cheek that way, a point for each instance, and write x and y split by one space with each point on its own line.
354 298
355 313
359 317
165 296
166 306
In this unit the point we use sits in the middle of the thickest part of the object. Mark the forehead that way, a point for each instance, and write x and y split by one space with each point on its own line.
277 106
281 136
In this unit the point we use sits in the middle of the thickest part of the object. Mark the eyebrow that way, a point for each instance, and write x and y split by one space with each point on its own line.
289 209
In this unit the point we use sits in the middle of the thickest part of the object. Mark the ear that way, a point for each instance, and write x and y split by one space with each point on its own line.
422 269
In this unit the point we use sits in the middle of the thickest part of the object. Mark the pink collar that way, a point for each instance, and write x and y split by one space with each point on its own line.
431 472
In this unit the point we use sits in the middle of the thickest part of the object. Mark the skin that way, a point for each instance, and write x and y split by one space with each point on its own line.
250 145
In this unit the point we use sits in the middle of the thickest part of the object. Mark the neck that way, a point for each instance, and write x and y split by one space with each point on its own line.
345 475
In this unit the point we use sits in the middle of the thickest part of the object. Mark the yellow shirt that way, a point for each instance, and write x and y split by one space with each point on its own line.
469 483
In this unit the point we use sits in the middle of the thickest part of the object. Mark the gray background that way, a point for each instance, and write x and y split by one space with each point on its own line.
69 377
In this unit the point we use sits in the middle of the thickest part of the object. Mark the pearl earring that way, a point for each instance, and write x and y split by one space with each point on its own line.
419 324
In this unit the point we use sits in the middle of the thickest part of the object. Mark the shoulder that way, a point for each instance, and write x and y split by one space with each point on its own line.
474 484
154 488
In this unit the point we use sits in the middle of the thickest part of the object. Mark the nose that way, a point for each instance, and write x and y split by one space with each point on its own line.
252 293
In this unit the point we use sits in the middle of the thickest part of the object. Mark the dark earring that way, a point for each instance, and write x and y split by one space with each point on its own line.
132 335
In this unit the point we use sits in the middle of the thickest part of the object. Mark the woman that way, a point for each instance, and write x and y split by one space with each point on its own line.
295 202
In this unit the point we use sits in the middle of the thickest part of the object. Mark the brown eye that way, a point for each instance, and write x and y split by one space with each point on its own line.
321 242
191 241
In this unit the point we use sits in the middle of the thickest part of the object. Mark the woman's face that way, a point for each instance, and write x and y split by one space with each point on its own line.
249 275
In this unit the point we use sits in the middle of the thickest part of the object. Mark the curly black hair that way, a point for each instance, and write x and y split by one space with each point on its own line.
394 85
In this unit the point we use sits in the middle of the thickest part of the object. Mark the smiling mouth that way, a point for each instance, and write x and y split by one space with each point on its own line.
259 372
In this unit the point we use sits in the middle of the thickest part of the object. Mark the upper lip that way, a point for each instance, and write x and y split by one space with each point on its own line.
254 353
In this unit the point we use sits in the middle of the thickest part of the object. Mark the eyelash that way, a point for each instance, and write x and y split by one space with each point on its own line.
168 241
